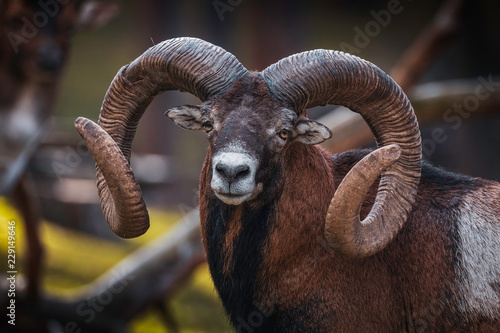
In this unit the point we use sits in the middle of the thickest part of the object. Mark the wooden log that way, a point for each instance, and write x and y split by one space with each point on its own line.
138 281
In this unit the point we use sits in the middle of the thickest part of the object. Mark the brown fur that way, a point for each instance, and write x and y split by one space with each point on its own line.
407 287
290 280
233 231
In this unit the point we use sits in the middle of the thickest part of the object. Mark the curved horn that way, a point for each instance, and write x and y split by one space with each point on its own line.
322 77
186 64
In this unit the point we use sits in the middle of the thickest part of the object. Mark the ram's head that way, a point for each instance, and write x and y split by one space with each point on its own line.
250 118
247 129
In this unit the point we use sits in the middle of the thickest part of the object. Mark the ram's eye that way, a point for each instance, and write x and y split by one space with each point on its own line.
207 126
285 134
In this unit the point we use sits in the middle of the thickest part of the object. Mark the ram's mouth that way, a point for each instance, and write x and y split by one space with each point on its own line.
233 198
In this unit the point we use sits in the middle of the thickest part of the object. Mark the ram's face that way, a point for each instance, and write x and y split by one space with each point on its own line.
247 130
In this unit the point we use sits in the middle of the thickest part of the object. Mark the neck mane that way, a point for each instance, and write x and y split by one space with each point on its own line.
237 238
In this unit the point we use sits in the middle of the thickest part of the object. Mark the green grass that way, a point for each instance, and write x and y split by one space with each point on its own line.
73 259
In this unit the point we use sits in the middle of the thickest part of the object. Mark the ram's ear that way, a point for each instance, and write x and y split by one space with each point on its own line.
311 132
186 116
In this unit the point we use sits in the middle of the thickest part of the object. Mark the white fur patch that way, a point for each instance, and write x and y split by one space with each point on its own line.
479 267
241 189
21 121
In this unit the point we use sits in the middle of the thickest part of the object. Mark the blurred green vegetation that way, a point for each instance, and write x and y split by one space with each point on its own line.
96 56
73 259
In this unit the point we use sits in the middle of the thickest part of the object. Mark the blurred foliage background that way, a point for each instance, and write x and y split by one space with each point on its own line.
73 259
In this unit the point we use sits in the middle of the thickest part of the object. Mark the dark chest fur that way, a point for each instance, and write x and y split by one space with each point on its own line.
235 238
234 268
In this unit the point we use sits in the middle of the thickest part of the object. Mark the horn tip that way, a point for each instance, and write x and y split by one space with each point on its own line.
81 123
394 150
390 154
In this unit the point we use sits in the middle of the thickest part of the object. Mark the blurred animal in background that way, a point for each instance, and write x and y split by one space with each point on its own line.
35 38
297 239
34 49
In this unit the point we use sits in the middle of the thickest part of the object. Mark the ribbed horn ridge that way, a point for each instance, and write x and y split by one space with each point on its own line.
322 77
186 64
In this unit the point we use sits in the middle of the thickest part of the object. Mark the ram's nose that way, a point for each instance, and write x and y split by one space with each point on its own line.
233 178
232 172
